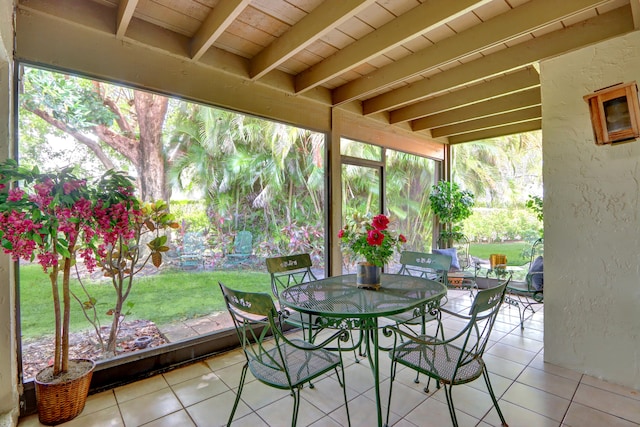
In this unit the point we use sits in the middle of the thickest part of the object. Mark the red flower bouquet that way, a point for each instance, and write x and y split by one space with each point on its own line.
371 239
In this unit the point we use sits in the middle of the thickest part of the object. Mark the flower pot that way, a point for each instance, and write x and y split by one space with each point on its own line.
368 276
62 399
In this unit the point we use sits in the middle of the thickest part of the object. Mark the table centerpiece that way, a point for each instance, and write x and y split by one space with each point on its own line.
373 240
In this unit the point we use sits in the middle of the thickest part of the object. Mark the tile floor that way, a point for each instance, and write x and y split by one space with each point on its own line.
531 393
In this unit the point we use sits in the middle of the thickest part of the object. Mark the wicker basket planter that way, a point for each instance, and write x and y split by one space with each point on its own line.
62 400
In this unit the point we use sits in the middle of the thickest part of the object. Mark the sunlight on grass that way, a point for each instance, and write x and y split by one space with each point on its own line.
162 298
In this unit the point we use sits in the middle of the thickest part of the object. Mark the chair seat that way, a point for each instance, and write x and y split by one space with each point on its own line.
302 365
438 362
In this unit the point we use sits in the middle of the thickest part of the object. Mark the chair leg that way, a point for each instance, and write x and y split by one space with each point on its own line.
243 375
343 384
452 410
295 392
485 374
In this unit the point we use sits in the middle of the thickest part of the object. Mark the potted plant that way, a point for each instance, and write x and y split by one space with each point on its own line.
452 206
54 219
371 239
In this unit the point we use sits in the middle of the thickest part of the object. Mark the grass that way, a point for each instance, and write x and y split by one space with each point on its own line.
162 298
517 252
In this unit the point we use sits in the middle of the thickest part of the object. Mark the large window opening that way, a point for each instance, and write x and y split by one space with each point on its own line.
378 180
242 189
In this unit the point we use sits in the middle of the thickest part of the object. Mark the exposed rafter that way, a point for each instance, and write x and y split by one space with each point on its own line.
585 32
391 35
216 23
125 13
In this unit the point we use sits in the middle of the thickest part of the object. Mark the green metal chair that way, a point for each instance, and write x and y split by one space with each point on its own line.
456 360
525 294
278 362
191 255
429 266
462 274
292 270
426 265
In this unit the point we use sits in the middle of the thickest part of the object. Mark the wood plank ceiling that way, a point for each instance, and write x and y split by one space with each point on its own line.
456 71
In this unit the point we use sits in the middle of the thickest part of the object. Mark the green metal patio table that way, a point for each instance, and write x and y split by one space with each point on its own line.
340 304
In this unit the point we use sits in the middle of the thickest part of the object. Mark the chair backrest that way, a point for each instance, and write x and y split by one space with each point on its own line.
423 264
482 317
253 316
192 243
243 243
289 270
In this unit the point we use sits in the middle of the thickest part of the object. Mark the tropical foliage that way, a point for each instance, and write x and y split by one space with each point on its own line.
452 205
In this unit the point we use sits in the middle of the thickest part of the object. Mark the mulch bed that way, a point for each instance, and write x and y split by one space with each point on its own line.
38 354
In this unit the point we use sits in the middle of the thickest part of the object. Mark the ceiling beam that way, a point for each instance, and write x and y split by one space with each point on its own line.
500 105
511 83
215 24
583 33
404 28
125 13
496 132
512 117
320 21
514 23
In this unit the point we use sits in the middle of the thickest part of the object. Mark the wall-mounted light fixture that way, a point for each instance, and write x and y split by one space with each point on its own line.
615 113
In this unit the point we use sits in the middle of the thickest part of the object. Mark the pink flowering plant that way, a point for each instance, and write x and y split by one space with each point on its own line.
55 219
371 239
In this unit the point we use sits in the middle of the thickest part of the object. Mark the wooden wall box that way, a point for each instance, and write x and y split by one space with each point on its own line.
615 113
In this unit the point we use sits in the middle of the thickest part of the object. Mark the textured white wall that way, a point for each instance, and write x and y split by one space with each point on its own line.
592 219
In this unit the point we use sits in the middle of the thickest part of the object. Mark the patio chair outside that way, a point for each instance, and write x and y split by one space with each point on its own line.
192 252
525 294
463 269
456 360
274 359
242 248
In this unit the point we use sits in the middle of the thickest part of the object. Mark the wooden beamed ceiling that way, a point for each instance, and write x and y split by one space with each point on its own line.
456 71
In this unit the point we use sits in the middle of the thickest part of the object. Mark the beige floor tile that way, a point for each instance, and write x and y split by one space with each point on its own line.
522 342
258 395
186 373
140 388
580 416
467 399
180 418
251 420
503 367
513 354
517 416
539 363
434 413
107 417
541 402
609 402
614 388
404 399
197 389
230 375
215 411
548 382
99 401
498 383
226 359
281 411
326 395
149 407
363 413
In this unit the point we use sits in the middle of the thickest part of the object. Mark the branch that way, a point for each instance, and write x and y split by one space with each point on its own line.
123 124
81 138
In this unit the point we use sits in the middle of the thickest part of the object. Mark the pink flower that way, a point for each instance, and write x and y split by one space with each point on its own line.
380 222
15 195
402 238
375 237
341 233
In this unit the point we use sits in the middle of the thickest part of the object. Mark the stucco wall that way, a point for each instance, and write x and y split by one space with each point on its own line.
592 219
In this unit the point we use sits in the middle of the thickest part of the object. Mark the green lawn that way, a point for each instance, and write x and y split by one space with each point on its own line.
161 298
517 253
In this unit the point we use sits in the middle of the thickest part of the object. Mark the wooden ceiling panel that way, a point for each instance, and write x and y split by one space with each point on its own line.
453 70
